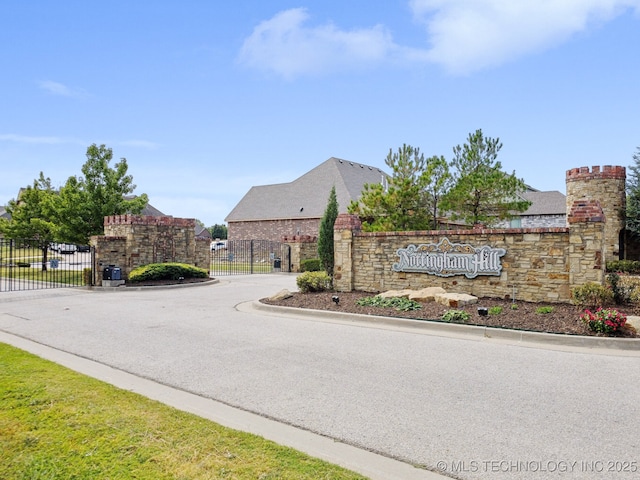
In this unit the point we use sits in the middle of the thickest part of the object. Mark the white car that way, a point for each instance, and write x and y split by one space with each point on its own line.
218 246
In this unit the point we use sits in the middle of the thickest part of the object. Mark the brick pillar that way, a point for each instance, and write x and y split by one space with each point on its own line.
344 229
587 243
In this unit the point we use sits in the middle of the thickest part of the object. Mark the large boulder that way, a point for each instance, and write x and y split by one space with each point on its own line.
455 300
396 293
281 295
426 294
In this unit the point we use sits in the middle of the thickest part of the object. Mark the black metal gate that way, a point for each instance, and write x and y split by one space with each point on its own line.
28 264
244 257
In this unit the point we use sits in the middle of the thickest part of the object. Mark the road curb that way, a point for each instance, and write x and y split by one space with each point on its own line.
606 345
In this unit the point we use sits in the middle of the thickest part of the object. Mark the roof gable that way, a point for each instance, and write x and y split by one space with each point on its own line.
307 196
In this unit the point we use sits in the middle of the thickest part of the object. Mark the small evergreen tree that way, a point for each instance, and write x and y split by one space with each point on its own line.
633 196
404 202
482 191
325 235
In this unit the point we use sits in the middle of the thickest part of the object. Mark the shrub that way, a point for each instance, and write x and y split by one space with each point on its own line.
311 265
625 266
166 271
544 310
514 306
495 310
399 303
313 282
604 320
634 297
86 276
591 295
456 316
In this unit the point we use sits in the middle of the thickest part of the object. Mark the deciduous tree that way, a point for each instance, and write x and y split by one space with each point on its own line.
101 191
32 216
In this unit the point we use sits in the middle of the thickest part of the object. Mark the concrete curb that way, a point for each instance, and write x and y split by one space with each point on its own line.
123 288
577 343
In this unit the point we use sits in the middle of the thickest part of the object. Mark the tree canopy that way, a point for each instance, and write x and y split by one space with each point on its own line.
633 195
77 211
32 214
402 202
482 192
472 187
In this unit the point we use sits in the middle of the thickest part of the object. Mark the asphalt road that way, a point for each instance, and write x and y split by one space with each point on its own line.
468 408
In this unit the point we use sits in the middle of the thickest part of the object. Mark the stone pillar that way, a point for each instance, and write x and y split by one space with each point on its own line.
607 186
587 243
303 247
345 228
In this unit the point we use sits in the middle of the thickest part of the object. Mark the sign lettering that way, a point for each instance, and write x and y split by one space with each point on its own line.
447 259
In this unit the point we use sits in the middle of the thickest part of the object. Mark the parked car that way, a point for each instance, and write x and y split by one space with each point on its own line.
67 248
218 246
83 248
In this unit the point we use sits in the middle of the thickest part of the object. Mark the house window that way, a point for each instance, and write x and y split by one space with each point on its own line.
515 223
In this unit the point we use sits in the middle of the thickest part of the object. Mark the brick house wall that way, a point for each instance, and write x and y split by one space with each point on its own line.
273 230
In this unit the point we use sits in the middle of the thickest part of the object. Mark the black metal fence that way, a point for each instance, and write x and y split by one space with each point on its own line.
244 257
27 264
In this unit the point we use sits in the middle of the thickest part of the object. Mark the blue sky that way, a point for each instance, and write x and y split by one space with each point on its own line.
208 98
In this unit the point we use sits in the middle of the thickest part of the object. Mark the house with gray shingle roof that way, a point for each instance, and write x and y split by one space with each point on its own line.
547 209
271 212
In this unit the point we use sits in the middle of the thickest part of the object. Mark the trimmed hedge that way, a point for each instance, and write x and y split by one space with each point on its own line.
166 271
623 266
311 265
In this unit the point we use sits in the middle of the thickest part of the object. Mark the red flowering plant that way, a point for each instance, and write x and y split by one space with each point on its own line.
604 320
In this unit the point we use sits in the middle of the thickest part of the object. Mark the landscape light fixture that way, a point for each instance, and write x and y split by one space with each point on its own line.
336 299
483 311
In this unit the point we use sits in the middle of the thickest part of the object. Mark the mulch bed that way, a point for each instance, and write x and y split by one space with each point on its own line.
564 319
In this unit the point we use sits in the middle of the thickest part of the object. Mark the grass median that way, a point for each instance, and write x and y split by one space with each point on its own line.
56 423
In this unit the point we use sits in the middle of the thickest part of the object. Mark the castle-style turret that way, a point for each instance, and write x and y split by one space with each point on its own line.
606 186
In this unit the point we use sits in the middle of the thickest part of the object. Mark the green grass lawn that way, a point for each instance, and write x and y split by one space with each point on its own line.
52 275
58 424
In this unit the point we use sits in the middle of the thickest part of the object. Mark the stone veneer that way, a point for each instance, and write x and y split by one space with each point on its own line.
131 241
303 247
606 185
540 264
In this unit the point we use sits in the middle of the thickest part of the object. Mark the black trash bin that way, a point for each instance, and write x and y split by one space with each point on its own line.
277 264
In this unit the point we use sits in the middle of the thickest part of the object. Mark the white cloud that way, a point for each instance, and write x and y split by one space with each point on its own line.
10 137
56 88
287 47
468 35
462 35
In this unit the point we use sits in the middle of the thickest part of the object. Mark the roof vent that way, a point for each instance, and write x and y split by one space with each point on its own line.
351 163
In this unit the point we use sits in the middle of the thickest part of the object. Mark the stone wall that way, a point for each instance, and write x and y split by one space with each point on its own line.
273 230
303 247
131 241
540 264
